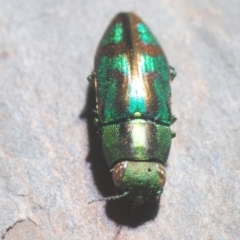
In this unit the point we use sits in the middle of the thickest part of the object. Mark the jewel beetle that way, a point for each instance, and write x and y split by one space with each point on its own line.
131 79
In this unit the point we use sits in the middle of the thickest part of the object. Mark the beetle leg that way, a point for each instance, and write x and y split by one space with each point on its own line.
173 134
95 111
174 119
96 123
173 73
90 79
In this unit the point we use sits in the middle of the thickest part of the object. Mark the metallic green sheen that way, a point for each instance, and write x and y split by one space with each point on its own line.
118 98
136 103
107 83
118 63
114 35
159 66
136 140
145 35
141 179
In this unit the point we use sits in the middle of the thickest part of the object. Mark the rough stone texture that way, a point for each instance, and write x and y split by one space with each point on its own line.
50 156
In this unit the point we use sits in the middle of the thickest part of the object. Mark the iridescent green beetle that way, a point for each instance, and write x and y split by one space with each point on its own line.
132 82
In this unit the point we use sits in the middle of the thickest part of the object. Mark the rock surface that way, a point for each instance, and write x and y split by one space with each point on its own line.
51 164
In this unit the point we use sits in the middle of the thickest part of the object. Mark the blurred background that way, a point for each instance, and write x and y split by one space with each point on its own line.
51 163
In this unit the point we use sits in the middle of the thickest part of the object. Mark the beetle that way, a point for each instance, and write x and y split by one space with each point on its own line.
131 79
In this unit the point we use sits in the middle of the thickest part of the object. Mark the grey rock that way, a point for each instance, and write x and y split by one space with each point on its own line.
47 173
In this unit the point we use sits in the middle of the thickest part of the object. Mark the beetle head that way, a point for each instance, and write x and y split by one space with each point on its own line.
141 179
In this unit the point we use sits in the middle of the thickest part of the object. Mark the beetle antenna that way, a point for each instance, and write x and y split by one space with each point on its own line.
111 198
